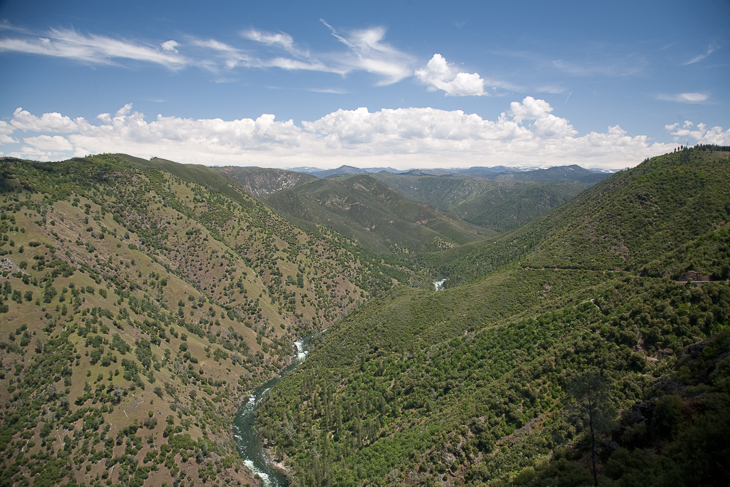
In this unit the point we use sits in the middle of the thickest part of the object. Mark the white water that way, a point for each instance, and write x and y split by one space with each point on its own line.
250 445
264 476
301 351
439 285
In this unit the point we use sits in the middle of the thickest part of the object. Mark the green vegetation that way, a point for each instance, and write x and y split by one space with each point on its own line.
374 216
497 205
141 300
621 223
133 290
564 174
473 384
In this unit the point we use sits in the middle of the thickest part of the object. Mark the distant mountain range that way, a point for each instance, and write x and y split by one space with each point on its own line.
482 172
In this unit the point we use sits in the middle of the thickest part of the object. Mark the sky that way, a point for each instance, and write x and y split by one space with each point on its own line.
398 83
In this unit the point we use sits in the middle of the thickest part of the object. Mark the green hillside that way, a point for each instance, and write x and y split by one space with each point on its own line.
562 174
141 300
480 384
496 205
621 223
377 217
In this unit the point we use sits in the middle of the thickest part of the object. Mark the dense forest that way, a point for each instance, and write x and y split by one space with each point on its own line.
584 341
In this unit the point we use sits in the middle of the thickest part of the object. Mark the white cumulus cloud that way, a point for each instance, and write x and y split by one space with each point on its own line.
48 122
34 153
440 75
526 134
544 123
5 130
48 142
700 133
170 46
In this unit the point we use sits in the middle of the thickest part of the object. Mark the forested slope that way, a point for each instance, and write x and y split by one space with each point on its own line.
621 223
377 217
495 205
470 385
141 300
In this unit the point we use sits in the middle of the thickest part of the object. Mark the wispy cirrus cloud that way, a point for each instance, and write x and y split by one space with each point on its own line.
684 97
277 39
92 48
628 66
552 89
367 51
336 91
700 57
230 56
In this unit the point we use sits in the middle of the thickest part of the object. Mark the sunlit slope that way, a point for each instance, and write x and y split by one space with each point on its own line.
141 300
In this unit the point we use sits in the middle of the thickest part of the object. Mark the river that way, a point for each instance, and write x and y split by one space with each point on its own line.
249 444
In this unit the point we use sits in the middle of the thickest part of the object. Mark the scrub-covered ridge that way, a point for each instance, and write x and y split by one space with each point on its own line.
141 300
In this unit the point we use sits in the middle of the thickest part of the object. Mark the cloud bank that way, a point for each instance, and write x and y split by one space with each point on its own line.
527 134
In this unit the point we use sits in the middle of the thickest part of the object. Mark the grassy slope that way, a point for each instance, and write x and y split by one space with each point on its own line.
466 385
137 298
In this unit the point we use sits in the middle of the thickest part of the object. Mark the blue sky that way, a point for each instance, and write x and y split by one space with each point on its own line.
370 84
